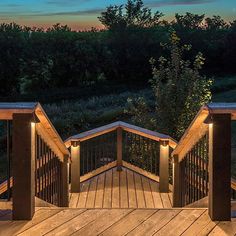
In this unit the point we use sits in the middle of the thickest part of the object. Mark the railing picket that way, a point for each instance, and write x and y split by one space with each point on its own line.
47 174
194 167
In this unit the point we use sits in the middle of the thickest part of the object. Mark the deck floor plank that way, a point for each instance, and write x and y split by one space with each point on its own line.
132 222
53 222
156 194
100 191
154 223
116 189
180 223
131 190
83 194
147 193
166 200
124 203
125 189
108 190
92 193
139 191
103 222
77 223
17 227
74 200
198 225
224 228
128 223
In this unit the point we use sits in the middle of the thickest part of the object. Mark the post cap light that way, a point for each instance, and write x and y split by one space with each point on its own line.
208 120
75 143
164 143
35 119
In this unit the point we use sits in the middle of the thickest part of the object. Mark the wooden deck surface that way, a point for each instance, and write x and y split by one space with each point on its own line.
116 203
125 189
58 221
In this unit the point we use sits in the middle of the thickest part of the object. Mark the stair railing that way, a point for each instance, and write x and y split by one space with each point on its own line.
120 144
39 159
202 161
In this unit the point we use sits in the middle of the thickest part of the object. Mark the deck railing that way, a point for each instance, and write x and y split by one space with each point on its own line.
141 152
97 152
233 189
120 144
202 161
194 172
39 159
5 157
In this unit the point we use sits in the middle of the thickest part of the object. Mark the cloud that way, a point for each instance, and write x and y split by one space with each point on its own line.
73 13
65 2
13 5
176 2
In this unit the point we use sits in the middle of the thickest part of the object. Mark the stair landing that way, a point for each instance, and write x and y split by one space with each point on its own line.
125 189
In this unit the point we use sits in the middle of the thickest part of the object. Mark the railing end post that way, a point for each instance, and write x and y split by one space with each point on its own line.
164 166
75 167
119 148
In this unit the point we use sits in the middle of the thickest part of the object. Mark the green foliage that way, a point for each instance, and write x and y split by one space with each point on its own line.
132 14
37 75
141 112
179 90
36 59
72 117
189 20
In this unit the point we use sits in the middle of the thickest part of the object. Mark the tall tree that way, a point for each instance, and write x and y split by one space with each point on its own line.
133 13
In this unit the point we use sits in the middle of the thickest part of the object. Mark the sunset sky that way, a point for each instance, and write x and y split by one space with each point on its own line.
82 14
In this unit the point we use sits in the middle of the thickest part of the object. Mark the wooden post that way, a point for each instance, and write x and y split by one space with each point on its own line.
64 201
220 167
176 182
164 166
75 167
119 149
23 167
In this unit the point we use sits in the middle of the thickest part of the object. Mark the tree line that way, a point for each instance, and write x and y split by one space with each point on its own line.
34 59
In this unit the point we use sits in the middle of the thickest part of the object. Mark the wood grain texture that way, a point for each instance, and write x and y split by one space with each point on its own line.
125 189
136 222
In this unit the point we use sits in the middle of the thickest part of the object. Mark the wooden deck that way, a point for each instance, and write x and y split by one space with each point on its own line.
116 203
125 189
58 221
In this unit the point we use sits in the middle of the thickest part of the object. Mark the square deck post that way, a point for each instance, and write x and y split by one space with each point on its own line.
64 201
176 182
23 167
164 166
220 167
119 149
75 167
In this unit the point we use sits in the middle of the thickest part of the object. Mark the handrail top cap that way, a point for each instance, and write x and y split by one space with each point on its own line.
18 105
7 109
110 127
198 121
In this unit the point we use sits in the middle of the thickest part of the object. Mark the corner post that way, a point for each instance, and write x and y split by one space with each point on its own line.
75 166
23 166
119 149
176 182
219 167
64 201
164 166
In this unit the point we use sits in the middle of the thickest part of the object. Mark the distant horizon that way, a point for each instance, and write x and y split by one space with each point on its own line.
82 14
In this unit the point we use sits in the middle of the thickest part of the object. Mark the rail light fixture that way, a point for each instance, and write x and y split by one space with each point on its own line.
75 143
164 143
35 119
209 120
